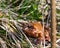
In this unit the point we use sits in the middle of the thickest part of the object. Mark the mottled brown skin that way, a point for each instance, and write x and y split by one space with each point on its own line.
35 29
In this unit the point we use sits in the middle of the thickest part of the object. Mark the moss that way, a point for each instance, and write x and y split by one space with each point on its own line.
3 32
